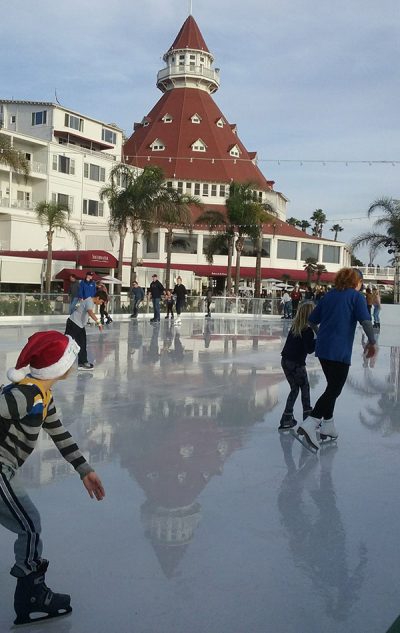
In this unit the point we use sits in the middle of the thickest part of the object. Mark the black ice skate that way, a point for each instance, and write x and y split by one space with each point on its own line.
287 423
35 602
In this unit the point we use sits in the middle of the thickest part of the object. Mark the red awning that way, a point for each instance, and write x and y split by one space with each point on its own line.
90 259
246 272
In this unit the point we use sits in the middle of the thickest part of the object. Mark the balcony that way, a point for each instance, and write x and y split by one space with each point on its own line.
189 71
22 204
38 168
5 202
377 272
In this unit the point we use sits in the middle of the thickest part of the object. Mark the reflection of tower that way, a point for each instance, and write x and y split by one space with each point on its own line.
316 535
173 460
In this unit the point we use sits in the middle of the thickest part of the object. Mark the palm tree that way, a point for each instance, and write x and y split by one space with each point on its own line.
172 209
293 222
12 157
54 216
310 266
270 212
246 215
319 219
221 242
336 228
320 269
119 214
304 225
389 238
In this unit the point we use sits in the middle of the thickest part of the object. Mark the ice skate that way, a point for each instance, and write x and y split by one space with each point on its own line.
307 434
306 414
34 601
85 366
327 431
177 321
287 422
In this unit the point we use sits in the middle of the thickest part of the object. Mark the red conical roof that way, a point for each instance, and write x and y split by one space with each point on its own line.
190 37
178 160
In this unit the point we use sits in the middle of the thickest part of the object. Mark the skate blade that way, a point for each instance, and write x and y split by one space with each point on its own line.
327 439
22 622
304 442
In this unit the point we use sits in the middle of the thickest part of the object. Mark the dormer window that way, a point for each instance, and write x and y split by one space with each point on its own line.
199 146
196 118
220 122
145 121
235 151
234 128
167 118
157 145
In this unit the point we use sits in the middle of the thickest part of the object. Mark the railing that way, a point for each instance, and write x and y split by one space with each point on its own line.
188 70
378 272
4 202
32 304
39 168
22 204
92 152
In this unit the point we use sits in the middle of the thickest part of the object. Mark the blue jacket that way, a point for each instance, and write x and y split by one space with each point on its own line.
87 289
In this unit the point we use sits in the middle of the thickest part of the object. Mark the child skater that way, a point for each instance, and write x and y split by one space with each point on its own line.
26 406
299 343
169 301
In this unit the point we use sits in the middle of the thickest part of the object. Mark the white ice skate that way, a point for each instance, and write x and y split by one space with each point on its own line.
327 431
307 435
177 321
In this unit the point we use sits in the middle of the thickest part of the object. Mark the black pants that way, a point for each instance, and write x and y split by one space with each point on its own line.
79 335
336 376
103 313
170 309
179 305
296 375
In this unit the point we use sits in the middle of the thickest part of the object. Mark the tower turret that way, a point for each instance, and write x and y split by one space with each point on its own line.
189 62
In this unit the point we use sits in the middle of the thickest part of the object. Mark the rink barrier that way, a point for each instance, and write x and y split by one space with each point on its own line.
55 307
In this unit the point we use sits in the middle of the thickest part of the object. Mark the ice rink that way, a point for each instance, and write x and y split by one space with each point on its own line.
214 522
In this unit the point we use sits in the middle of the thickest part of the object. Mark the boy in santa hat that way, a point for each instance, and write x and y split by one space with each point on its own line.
26 406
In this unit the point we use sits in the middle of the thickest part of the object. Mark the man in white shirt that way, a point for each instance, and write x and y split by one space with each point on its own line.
77 322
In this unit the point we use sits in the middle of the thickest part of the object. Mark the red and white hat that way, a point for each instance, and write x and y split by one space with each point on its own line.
47 355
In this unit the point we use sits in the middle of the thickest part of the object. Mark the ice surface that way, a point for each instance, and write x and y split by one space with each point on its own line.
213 521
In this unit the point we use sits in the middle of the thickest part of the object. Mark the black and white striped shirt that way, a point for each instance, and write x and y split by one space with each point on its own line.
24 410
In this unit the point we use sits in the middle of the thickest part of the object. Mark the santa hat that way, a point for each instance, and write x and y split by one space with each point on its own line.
47 355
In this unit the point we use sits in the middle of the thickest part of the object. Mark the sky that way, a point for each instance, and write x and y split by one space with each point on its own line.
304 80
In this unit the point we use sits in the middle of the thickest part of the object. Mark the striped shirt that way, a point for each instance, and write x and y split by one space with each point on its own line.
25 408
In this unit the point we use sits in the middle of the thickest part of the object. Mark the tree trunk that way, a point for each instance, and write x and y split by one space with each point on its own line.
168 240
229 266
239 248
396 294
134 257
122 235
257 285
309 275
49 261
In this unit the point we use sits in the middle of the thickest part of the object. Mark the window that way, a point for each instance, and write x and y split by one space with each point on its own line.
331 254
222 191
13 118
93 208
235 151
184 243
260 196
220 123
188 186
180 187
151 244
309 250
167 118
157 145
28 156
214 190
199 146
63 164
221 251
94 172
196 118
74 122
250 248
39 118
196 188
205 190
63 199
169 185
108 136
287 249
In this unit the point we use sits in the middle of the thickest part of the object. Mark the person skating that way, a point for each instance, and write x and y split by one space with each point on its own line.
209 298
180 293
73 293
287 305
103 308
137 296
295 297
169 302
77 322
376 307
336 315
300 342
87 286
26 406
155 293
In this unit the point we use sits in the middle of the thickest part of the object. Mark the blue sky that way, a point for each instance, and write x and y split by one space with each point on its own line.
303 80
